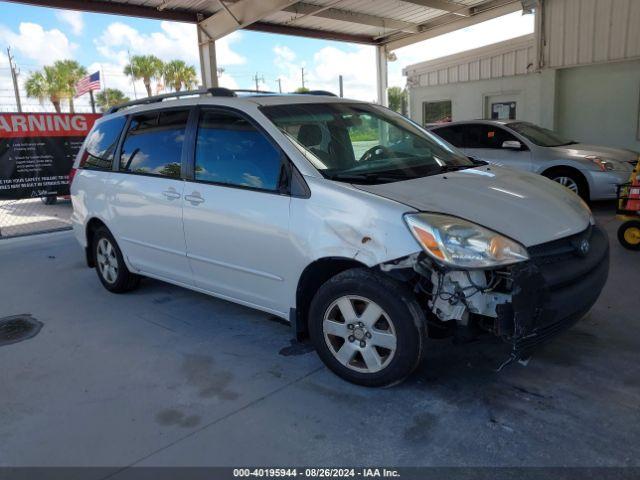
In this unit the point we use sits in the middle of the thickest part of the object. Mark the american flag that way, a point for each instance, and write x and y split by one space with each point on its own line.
90 82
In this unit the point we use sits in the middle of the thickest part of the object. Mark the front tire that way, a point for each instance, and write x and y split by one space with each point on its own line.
112 271
367 328
570 179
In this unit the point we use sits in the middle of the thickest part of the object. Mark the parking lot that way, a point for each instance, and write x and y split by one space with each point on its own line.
169 377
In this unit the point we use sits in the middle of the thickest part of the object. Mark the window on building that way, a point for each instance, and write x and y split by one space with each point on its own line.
102 144
230 150
436 112
503 111
153 145
486 136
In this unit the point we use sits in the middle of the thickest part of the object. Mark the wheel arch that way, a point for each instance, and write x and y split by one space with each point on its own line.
568 168
92 225
313 276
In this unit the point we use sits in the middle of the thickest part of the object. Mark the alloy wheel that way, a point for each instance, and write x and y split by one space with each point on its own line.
359 334
568 182
107 260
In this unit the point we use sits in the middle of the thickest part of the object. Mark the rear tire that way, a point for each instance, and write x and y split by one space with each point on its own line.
49 199
629 235
367 328
570 179
110 267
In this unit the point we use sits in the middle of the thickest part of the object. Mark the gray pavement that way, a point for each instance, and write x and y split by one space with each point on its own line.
164 376
29 216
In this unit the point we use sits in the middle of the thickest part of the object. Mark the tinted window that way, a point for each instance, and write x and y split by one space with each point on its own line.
232 151
102 143
154 143
539 136
486 136
453 135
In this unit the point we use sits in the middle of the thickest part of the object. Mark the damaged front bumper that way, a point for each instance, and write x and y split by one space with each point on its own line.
523 304
554 289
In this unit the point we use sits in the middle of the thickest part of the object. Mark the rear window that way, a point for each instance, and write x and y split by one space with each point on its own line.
102 143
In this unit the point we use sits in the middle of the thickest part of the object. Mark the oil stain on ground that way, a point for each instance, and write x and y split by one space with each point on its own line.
296 348
172 416
200 371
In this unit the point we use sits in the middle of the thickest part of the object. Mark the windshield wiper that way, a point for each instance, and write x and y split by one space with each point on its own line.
367 177
456 168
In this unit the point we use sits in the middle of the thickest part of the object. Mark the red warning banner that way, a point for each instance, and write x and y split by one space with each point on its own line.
21 125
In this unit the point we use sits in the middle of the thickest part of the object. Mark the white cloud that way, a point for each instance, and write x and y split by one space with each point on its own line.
173 41
73 19
284 53
35 43
356 65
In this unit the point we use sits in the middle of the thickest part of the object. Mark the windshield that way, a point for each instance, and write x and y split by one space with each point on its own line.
362 143
538 135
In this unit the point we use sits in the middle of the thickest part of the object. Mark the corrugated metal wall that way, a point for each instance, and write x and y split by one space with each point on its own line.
582 32
514 57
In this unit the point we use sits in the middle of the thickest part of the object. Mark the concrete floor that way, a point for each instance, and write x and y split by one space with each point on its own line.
164 376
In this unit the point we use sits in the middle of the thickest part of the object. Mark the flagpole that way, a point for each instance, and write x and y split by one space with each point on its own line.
93 102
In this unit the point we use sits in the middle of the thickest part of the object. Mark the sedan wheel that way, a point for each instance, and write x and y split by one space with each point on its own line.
107 261
568 182
359 334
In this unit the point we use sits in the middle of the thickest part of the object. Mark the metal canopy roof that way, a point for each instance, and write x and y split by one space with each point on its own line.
394 23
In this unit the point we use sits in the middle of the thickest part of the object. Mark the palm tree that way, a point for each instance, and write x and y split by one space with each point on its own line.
47 84
110 97
70 72
178 74
146 68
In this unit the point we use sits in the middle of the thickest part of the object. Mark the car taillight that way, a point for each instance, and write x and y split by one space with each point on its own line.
72 174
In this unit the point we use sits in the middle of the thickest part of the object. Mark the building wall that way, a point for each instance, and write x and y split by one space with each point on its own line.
514 57
584 32
600 104
472 100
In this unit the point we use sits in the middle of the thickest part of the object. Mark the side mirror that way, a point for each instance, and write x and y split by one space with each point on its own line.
512 145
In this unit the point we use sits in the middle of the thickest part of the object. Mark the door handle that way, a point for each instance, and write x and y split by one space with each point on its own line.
194 198
171 194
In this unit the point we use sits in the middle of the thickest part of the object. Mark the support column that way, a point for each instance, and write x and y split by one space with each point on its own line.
208 63
382 82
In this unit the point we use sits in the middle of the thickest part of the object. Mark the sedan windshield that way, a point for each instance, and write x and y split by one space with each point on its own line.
361 143
538 135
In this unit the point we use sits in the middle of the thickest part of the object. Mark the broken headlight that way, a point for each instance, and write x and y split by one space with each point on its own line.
462 244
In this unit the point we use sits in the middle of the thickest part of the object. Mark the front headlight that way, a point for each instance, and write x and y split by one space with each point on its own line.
602 164
462 244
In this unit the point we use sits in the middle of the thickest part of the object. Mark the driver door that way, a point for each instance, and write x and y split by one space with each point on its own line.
487 142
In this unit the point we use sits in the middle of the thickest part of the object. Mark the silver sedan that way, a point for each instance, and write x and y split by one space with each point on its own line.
591 171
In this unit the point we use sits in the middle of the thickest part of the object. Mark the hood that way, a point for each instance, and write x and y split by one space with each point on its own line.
525 207
582 150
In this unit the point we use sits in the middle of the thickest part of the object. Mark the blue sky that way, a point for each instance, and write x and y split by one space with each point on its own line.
41 35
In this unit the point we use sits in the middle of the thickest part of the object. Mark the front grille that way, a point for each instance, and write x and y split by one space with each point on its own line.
559 250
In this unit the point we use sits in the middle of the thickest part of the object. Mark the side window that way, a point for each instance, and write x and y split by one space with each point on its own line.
153 144
102 143
454 135
230 150
486 136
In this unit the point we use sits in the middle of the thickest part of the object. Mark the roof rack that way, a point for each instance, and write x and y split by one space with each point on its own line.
324 93
215 92
248 90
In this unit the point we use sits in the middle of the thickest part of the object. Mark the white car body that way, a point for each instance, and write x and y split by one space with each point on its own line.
253 247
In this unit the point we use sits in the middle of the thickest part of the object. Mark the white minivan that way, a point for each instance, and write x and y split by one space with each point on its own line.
365 231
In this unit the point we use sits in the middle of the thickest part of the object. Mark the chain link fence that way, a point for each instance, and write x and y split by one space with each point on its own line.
34 215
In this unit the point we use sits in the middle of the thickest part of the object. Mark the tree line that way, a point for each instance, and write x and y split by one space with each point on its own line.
57 82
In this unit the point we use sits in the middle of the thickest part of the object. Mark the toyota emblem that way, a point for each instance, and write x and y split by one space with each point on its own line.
583 247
